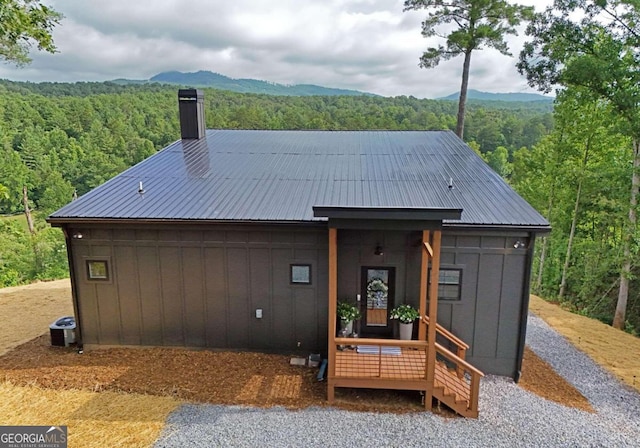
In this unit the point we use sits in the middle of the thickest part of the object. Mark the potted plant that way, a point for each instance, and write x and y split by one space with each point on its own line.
347 314
406 314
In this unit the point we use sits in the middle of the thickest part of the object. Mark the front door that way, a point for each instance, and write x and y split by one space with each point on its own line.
378 285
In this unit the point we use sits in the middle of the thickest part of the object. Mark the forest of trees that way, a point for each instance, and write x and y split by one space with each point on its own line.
58 139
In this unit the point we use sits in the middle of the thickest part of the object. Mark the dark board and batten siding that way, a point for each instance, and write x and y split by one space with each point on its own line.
493 295
200 286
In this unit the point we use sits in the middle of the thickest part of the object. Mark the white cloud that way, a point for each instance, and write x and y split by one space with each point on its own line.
369 45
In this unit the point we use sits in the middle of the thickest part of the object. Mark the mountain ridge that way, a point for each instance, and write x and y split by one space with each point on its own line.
473 94
205 78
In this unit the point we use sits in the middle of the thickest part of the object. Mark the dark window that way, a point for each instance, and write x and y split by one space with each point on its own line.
449 283
300 274
98 270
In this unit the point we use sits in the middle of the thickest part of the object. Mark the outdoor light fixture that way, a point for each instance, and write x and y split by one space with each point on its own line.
379 250
518 245
77 235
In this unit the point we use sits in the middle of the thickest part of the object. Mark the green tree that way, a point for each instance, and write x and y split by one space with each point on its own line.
24 23
594 45
476 24
498 159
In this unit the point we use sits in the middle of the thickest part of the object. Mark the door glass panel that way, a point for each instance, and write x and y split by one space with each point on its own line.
377 297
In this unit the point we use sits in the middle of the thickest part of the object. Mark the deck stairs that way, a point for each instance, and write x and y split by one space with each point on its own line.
456 382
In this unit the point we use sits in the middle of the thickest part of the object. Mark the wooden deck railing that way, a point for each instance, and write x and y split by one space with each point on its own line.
404 360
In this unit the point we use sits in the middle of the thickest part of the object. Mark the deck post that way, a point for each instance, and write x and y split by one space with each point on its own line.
433 317
424 267
333 309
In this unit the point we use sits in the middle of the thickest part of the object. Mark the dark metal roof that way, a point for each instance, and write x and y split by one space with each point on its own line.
280 175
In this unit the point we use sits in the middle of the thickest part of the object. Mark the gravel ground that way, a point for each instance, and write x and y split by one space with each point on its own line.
509 416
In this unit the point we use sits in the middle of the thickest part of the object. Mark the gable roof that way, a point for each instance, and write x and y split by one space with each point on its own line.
278 176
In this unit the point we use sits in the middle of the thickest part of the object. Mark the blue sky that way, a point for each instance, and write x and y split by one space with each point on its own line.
368 45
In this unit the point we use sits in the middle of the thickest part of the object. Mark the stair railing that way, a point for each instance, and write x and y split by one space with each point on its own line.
461 346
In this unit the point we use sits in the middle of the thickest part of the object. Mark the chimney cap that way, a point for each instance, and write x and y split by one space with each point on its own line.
190 94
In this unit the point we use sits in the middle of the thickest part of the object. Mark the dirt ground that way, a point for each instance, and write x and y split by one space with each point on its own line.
196 375
29 310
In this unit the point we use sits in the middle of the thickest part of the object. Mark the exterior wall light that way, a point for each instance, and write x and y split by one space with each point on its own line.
77 235
379 250
518 245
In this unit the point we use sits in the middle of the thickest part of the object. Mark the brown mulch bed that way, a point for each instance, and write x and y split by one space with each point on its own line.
540 378
245 378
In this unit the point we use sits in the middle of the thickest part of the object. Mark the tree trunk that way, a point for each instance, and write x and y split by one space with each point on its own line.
462 101
27 210
543 256
567 258
623 292
545 243
574 221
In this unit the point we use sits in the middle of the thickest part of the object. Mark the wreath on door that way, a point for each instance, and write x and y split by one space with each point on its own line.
376 293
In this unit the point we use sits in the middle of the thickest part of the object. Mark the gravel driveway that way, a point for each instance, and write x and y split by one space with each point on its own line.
509 416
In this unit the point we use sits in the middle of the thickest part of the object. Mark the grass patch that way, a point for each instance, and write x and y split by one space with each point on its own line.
613 349
21 219
93 419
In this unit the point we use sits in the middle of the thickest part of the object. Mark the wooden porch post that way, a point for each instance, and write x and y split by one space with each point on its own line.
433 317
424 266
333 306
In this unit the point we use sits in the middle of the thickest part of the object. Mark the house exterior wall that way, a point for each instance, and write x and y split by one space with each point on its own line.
200 286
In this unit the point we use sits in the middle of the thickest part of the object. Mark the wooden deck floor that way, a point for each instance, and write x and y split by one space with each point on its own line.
409 365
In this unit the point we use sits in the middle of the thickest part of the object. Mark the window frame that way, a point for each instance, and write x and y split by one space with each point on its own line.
457 268
309 267
98 259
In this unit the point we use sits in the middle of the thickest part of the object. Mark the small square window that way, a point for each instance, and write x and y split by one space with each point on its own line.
300 274
98 270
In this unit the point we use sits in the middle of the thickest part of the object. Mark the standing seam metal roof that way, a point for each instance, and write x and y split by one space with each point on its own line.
242 175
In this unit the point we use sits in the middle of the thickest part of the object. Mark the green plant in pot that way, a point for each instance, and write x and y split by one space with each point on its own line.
406 314
347 313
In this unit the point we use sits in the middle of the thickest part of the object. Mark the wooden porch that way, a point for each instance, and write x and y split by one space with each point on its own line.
422 364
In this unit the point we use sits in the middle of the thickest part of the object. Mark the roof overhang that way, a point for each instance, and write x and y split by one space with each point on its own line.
400 218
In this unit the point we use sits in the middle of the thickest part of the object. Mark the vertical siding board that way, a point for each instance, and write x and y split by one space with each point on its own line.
463 318
87 297
304 306
107 297
487 306
322 294
126 273
445 312
216 296
237 279
171 281
282 303
510 305
260 286
194 311
150 298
